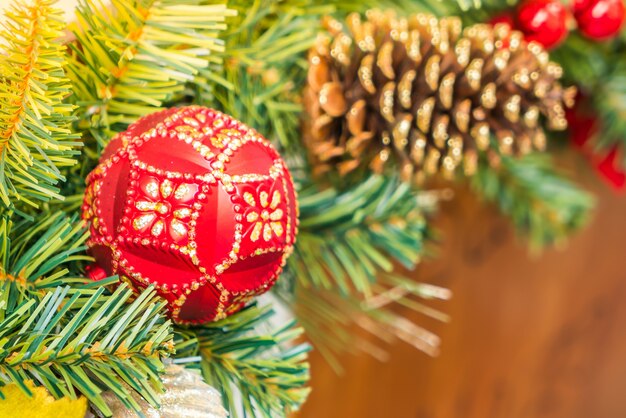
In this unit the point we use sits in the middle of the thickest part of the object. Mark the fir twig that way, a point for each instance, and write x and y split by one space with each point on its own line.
262 75
35 136
348 247
236 355
346 237
133 57
79 339
330 320
105 344
610 100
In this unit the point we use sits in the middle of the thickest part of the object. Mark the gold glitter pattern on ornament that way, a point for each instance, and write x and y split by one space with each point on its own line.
160 215
265 216
152 189
166 188
143 221
181 191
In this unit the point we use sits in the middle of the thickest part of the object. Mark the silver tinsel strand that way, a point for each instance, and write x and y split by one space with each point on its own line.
186 396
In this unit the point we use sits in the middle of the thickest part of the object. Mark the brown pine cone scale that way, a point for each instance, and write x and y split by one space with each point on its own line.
426 94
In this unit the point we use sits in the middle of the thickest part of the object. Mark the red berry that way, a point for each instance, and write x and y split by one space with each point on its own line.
543 21
610 169
583 123
599 19
506 18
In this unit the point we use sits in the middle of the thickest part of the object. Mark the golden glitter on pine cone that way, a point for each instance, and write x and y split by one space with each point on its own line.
427 94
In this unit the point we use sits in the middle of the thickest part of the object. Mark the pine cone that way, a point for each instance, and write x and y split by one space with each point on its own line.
426 93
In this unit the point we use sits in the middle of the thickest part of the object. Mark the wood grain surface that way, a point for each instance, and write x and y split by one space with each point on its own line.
530 337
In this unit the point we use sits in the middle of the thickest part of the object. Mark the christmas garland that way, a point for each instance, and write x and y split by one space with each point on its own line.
162 163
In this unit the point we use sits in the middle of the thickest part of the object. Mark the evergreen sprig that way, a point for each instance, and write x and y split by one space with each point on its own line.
33 257
330 319
346 237
131 58
269 370
69 334
610 101
263 71
351 247
599 69
35 136
542 204
104 344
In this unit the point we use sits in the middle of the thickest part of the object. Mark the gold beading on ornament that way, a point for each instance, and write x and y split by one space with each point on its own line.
176 186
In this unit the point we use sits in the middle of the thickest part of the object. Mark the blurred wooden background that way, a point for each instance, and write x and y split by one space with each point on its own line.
530 337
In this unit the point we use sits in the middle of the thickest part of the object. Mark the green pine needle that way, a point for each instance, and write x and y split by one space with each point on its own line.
346 238
237 355
69 334
133 57
35 136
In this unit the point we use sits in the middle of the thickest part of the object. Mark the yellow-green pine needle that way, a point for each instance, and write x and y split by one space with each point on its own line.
35 135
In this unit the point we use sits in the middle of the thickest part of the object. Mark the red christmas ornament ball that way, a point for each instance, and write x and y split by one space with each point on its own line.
599 19
543 21
196 204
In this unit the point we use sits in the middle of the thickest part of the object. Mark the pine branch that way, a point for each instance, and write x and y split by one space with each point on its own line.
349 245
543 205
78 339
236 356
346 238
34 256
104 344
263 73
584 61
599 69
610 101
132 58
35 136
330 319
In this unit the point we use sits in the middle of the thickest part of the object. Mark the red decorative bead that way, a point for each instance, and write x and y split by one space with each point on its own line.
582 123
599 19
506 18
195 203
611 170
543 21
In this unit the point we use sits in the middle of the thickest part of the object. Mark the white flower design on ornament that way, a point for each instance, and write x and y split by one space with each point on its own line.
162 207
264 215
